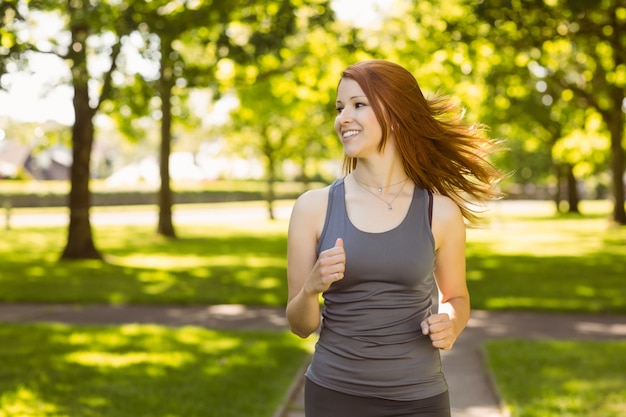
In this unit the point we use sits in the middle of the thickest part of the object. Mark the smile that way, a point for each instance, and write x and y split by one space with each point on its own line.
349 133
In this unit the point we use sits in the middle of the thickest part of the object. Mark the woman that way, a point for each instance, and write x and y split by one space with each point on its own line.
385 247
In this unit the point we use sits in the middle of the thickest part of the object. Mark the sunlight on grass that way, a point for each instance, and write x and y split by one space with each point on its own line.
118 360
164 262
133 370
171 263
560 378
545 238
212 264
527 257
25 402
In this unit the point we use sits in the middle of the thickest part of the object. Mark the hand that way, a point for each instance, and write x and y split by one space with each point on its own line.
328 268
439 328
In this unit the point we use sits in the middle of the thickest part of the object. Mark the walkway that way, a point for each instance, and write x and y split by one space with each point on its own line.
472 393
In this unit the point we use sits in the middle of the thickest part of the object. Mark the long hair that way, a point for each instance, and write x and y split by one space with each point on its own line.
439 151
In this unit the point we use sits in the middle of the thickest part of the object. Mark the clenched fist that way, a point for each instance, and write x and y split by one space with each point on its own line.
329 268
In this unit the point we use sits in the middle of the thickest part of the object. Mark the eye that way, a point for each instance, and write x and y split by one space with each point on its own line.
358 105
339 110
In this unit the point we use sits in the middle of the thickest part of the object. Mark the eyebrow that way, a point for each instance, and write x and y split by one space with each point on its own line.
352 98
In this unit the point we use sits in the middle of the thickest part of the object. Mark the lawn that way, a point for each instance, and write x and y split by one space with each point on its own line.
527 258
560 378
133 370
212 263
524 258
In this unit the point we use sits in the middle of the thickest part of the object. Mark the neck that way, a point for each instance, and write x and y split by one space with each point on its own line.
379 178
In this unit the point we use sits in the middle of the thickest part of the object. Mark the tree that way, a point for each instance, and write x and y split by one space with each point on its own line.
92 27
197 40
287 108
579 50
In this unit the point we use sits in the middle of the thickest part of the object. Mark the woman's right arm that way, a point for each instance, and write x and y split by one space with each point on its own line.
308 276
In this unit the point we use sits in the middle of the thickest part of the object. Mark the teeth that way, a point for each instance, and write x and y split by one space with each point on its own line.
350 133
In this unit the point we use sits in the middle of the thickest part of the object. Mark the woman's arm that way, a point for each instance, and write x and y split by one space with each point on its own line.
454 308
308 276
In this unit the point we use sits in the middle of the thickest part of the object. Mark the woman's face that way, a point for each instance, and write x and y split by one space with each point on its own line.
356 123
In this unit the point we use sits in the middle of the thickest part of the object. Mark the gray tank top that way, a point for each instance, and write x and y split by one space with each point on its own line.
370 342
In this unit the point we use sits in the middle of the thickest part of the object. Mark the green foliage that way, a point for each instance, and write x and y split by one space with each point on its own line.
141 370
571 55
560 378
285 98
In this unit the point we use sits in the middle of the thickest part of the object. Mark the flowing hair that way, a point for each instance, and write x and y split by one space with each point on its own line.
439 151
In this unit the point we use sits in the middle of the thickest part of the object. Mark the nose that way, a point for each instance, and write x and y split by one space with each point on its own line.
344 117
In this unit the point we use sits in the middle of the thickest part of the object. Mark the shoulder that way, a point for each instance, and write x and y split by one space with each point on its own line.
309 211
312 200
448 221
445 209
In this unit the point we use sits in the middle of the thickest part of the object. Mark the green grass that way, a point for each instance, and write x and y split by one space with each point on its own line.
531 259
144 370
560 378
526 258
209 264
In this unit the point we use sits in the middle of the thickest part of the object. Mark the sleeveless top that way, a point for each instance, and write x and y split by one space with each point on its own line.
370 342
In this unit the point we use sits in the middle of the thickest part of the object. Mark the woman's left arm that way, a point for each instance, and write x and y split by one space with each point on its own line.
454 302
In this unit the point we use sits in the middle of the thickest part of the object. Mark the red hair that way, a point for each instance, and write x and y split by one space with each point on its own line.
439 151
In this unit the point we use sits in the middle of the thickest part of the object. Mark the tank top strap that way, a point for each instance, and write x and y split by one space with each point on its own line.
335 210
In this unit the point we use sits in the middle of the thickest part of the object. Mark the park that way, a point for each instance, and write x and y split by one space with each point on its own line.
165 296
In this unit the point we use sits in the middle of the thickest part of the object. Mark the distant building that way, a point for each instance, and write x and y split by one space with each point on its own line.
13 157
18 160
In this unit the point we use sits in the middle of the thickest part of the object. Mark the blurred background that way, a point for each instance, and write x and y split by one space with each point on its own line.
173 96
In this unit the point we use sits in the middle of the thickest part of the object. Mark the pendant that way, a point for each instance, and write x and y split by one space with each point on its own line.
389 207
380 190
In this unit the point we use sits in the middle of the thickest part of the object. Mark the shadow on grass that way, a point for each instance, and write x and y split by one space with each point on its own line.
559 378
592 283
144 370
234 268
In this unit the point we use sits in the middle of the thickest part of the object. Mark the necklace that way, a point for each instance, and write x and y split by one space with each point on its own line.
380 189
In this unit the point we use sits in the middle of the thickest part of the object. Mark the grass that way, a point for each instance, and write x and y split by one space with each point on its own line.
209 264
144 370
560 378
531 259
526 258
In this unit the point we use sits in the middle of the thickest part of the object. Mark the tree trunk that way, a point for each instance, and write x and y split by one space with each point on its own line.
271 180
166 227
557 192
616 127
271 175
80 243
573 198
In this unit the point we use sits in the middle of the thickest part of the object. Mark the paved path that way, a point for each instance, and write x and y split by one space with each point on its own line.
472 393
